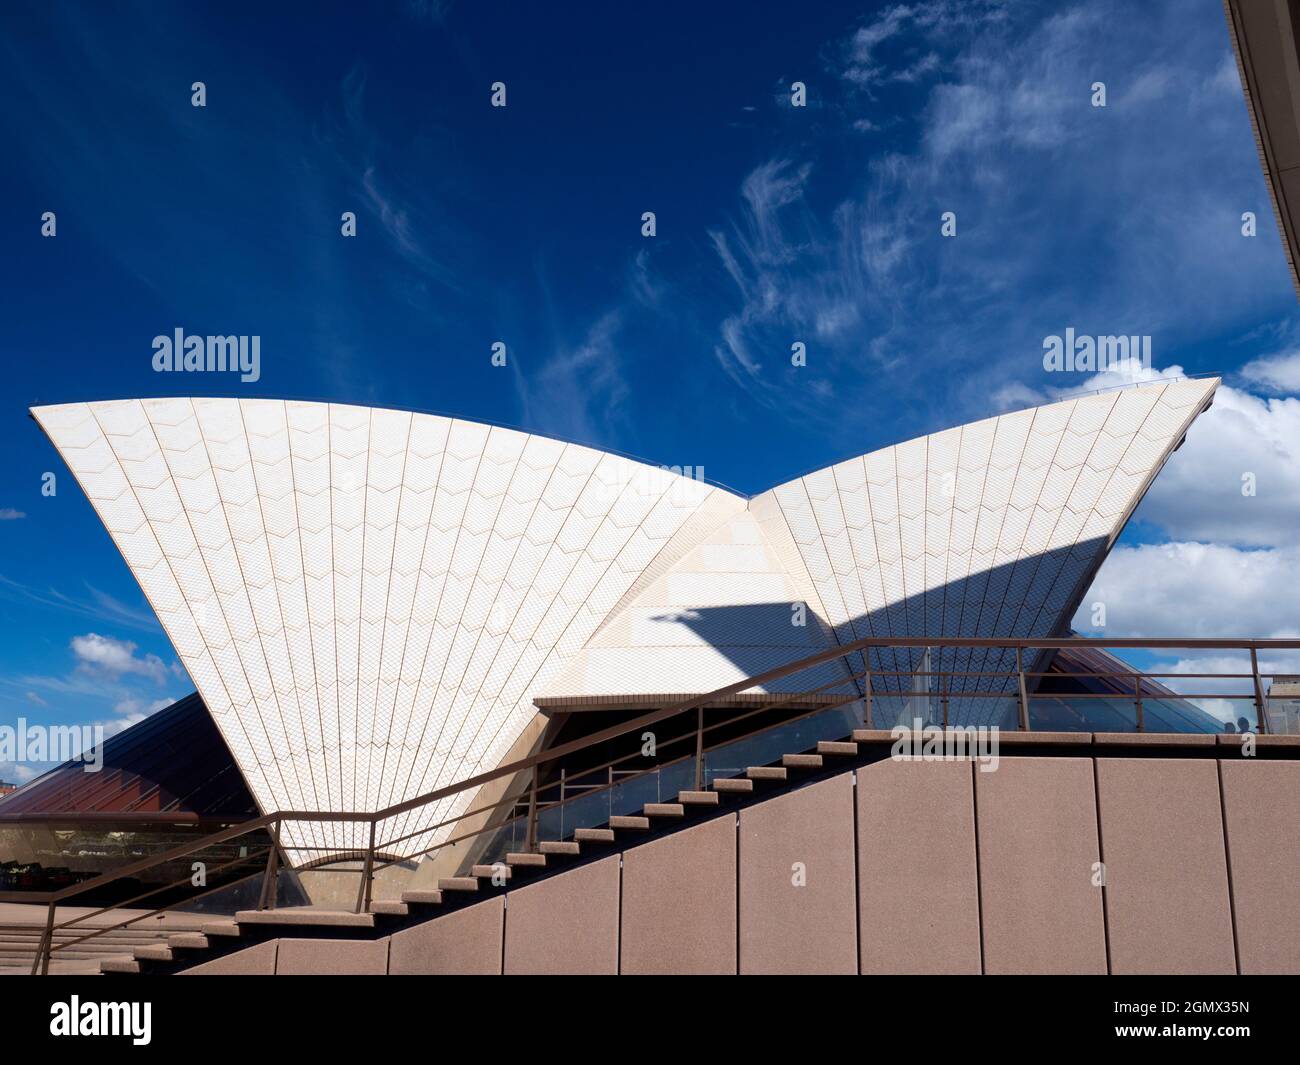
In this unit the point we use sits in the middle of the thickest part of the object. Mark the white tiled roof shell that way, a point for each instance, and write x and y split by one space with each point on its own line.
367 600
990 529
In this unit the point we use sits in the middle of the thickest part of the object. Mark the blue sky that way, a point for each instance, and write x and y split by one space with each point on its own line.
522 224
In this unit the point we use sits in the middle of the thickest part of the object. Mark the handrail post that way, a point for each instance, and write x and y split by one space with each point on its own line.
363 889
1261 708
531 839
1024 695
273 889
699 747
946 681
867 710
266 900
370 865
1137 700
42 960
564 776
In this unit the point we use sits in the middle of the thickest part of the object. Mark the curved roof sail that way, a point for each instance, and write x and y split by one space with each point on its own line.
366 599
372 603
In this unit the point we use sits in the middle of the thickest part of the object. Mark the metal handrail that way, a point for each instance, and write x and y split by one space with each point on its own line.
593 789
779 673
699 703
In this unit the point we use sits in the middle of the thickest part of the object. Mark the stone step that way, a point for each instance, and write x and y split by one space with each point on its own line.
871 735
837 747
526 858
766 772
458 883
188 941
422 897
801 761
389 908
221 928
594 835
100 943
733 784
158 952
664 809
621 821
552 846
58 968
306 918
72 953
16 939
60 935
119 965
497 871
698 798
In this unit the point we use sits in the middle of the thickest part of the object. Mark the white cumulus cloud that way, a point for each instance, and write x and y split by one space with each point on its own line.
1195 589
1277 373
116 657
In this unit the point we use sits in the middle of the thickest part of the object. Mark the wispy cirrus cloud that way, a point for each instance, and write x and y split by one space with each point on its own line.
410 219
580 392
98 604
794 286
582 386
435 11
911 31
848 253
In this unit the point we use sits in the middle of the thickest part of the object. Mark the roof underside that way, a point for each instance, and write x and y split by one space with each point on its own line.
173 763
1263 34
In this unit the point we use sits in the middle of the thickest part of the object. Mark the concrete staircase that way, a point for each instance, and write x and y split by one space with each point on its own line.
19 944
212 940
